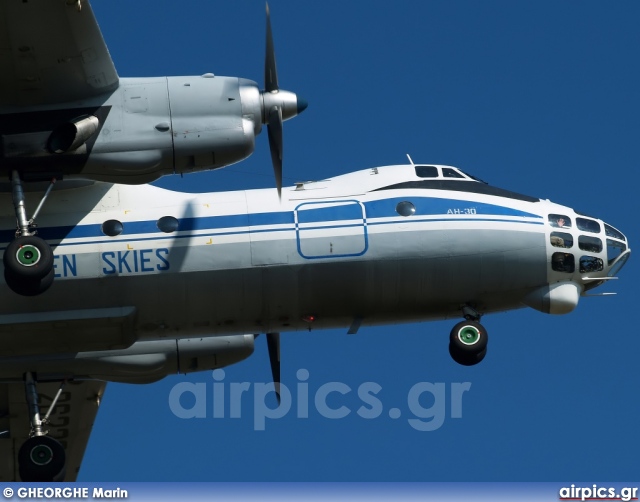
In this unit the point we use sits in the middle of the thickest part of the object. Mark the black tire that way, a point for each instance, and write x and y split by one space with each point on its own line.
28 287
28 257
469 337
41 458
466 358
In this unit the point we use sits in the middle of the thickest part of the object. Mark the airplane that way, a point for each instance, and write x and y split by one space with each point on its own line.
151 282
65 114
145 282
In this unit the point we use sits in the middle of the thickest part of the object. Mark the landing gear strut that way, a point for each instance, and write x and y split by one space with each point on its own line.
468 339
41 458
28 259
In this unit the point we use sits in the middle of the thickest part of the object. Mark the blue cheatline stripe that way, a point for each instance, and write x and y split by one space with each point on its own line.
432 206
343 210
150 226
454 220
164 237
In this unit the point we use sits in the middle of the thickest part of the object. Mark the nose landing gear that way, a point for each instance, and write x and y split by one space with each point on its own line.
28 259
468 339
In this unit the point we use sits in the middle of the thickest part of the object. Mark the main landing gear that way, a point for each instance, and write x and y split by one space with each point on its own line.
41 458
28 259
468 339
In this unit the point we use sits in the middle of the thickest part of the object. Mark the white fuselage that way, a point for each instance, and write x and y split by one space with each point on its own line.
333 253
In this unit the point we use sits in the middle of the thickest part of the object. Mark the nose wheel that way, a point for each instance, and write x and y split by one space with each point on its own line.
28 259
468 339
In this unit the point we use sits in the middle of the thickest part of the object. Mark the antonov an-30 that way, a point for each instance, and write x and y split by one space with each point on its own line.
130 283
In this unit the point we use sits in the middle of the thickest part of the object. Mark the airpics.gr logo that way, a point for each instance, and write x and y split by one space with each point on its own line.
596 492
426 402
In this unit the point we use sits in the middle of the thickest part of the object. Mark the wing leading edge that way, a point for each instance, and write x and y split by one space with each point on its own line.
51 51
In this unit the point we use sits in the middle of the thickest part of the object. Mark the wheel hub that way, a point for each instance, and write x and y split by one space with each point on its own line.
28 255
41 454
469 335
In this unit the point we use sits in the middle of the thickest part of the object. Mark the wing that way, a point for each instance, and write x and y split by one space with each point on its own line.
51 51
71 421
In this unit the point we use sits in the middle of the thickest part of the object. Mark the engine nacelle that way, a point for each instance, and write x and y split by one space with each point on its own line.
72 135
208 123
143 362
558 298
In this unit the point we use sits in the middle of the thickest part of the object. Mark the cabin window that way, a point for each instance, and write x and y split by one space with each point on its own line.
559 221
447 172
612 232
563 262
427 171
614 249
590 264
405 208
561 240
168 224
112 228
591 244
588 225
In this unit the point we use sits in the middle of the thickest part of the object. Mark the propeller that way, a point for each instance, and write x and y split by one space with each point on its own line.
277 106
270 70
273 344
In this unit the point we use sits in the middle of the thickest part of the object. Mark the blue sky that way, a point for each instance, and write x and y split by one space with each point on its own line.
538 97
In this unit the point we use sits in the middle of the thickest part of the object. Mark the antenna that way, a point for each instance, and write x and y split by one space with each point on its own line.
410 160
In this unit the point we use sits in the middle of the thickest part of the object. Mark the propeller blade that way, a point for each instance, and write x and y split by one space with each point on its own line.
180 247
277 106
274 129
273 344
270 72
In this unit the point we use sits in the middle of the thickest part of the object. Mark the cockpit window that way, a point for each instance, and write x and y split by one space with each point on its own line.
591 244
614 249
588 225
618 265
561 240
563 262
427 171
447 172
559 221
473 177
612 232
590 264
